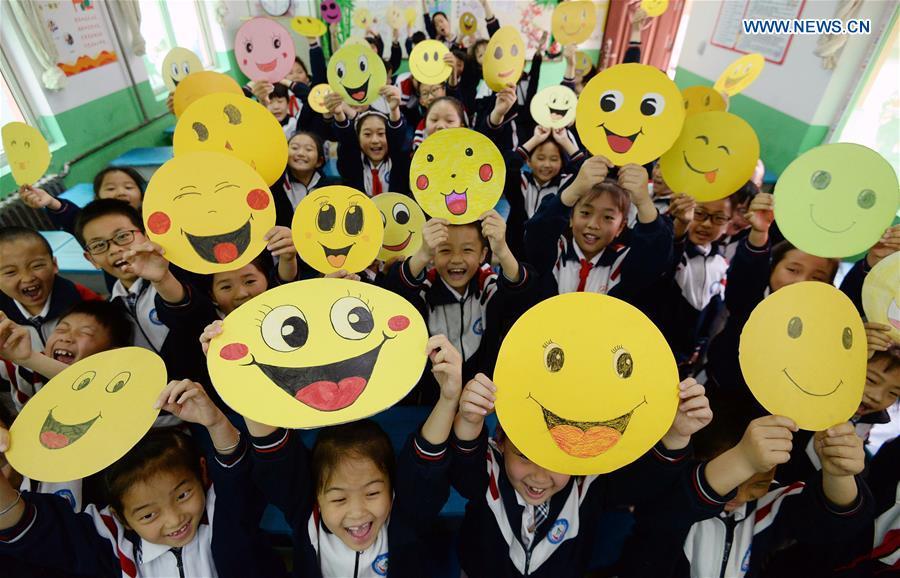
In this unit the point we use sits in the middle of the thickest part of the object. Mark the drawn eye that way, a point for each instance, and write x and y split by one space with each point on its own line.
866 199
847 338
611 100
820 180
326 218
185 67
795 327
276 43
652 104
233 114
118 382
83 380
248 46
353 220
554 357
201 130
623 363
401 213
363 63
341 69
174 69
285 329
351 318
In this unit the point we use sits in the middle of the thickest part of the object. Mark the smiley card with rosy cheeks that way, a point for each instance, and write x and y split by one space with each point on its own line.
264 49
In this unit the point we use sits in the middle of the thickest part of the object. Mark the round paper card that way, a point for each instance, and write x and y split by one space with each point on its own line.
403 222
426 62
585 397
264 50
504 58
574 21
88 416
554 106
27 152
803 355
740 74
702 99
199 84
178 63
318 352
356 73
881 294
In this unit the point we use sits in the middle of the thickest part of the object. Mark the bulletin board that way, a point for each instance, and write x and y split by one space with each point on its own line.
79 31
728 31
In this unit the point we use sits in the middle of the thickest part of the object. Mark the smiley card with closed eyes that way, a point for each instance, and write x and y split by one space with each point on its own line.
88 416
209 211
264 50
803 355
504 58
337 227
27 152
356 73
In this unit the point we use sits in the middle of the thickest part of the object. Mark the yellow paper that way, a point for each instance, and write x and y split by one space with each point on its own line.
403 221
740 74
881 294
702 99
27 152
574 21
554 106
457 174
468 24
308 26
178 63
411 16
803 354
362 18
714 156
337 227
318 352
629 113
209 211
198 85
264 50
316 98
504 58
654 7
356 73
836 200
394 18
586 384
235 125
88 416
583 63
426 63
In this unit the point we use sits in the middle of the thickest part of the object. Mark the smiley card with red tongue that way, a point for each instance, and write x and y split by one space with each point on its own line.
88 416
264 50
209 211
585 397
318 352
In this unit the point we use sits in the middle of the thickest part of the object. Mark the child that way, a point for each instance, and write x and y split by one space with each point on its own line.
32 293
443 112
739 226
514 503
577 239
303 175
161 520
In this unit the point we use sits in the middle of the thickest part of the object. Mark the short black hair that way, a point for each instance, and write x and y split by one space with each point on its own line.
302 64
418 36
279 91
15 233
101 208
317 140
437 13
131 172
109 316
351 441
375 39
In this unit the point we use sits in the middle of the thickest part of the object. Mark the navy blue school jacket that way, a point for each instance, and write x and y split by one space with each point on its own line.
350 158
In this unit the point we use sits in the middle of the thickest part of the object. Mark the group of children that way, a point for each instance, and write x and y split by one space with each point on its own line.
186 501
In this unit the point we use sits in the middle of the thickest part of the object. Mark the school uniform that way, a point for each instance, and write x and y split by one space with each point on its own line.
281 471
96 543
288 192
853 281
65 217
521 125
358 172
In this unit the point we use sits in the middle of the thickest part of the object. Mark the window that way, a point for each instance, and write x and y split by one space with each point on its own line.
165 25
13 106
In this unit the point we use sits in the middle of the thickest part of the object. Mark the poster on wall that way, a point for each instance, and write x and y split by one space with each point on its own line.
79 32
728 32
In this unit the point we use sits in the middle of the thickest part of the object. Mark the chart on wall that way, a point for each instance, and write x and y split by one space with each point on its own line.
728 31
79 32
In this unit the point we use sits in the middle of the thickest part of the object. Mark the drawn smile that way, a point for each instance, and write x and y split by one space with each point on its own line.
223 248
797 385
399 246
709 175
585 439
359 93
618 143
267 66
336 257
457 203
56 435
560 112
826 229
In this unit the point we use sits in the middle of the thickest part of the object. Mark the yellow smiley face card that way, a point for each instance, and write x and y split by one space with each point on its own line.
574 21
457 174
588 397
316 98
88 416
209 212
836 200
200 84
881 294
554 106
740 74
337 227
702 99
236 126
504 58
308 26
629 113
318 352
803 355
468 24
178 63
403 222
654 7
713 157
356 73
426 62
583 63
27 152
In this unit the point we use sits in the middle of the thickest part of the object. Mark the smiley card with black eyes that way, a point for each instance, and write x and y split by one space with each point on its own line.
209 211
629 113
403 222
318 352
264 50
426 62
356 73
803 355
587 397
88 416
836 200
177 65
702 99
740 74
457 174
504 58
27 152
337 227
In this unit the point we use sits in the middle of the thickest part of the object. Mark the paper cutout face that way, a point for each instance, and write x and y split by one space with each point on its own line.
803 354
654 7
237 126
362 18
457 174
316 98
740 74
836 200
881 294
411 15
200 84
88 416
394 18
504 58
554 106
331 11
336 228
582 63
178 63
702 99
714 156
27 152
574 21
587 397
629 113
209 211
309 27
426 63
468 24
264 50
403 222
356 73
318 352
